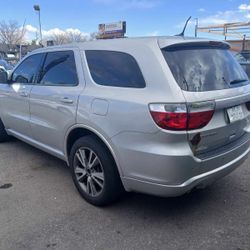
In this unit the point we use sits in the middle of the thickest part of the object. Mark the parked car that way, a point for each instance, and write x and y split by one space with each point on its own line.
5 66
244 59
159 115
2 69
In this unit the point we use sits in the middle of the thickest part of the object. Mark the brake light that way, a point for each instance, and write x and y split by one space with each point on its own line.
182 116
169 116
198 120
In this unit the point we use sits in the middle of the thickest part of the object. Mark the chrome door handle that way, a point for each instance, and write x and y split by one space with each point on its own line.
24 94
66 100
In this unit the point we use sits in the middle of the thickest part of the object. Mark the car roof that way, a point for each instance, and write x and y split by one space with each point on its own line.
163 41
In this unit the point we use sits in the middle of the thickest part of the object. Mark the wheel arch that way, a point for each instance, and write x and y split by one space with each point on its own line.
76 132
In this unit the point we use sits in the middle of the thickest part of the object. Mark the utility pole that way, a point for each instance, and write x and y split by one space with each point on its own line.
20 51
20 43
244 42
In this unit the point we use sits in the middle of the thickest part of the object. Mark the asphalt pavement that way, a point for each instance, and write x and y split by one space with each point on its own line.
41 209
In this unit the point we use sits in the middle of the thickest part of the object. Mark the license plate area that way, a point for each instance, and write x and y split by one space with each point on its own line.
235 113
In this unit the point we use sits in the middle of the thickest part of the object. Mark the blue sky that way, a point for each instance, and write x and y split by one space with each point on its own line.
144 17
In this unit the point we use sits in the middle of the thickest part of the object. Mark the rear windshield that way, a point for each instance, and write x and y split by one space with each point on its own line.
203 67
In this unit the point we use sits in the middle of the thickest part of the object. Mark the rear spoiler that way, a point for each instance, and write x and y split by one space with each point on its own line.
197 45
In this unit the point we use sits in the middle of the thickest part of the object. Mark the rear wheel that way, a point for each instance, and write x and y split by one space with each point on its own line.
3 135
94 172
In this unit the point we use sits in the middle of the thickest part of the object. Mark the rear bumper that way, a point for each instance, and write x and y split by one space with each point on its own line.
201 180
154 166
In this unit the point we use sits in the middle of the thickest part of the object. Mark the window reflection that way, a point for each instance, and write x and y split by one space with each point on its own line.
111 68
203 69
59 69
27 70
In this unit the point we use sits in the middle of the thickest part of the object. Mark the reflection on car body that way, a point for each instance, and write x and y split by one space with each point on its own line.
157 115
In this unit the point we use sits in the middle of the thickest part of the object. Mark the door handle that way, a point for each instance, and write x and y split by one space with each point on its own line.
66 100
24 94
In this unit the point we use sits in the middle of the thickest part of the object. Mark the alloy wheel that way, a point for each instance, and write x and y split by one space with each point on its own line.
89 171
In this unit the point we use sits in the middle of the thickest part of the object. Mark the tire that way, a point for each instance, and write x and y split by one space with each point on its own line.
96 178
3 135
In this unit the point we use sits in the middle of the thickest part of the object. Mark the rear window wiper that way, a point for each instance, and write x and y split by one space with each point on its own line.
235 81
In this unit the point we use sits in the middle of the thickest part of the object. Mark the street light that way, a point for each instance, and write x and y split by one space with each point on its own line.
37 8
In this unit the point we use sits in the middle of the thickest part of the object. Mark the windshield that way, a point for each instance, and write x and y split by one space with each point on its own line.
204 67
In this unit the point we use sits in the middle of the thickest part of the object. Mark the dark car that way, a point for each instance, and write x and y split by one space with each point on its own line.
244 59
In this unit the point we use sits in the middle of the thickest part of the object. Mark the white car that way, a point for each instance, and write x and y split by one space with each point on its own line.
157 115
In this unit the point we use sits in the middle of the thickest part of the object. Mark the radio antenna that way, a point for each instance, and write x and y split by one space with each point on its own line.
183 31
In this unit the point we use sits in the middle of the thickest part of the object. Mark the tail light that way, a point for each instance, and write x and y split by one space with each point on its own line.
200 114
182 116
169 116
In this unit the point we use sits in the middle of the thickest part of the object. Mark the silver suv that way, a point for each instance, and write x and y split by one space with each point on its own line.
159 115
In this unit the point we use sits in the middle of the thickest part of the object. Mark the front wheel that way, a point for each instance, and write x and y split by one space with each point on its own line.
94 172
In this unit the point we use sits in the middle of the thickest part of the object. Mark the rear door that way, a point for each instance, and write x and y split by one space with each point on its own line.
211 81
53 101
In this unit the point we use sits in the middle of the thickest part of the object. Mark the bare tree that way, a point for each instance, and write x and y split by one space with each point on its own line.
59 38
68 36
75 36
11 33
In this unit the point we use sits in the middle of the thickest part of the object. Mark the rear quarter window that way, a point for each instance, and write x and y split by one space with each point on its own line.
117 69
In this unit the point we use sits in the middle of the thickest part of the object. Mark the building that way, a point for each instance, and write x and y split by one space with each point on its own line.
13 53
239 45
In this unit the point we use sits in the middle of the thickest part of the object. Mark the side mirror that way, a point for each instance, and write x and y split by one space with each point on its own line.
3 76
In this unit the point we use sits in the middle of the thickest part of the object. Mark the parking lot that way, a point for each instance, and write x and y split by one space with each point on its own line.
41 209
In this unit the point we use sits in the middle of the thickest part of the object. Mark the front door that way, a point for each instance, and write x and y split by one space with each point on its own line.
15 96
53 101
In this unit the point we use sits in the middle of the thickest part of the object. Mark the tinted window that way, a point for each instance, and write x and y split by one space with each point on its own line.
59 69
204 68
27 70
116 69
